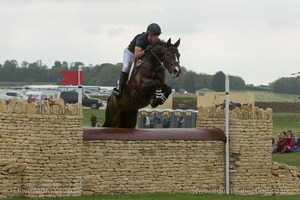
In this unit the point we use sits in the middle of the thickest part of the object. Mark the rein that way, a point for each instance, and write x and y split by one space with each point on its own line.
161 63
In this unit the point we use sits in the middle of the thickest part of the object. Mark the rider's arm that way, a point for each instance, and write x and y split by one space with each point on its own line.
138 52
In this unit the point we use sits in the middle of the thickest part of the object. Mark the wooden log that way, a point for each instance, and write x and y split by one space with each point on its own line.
101 133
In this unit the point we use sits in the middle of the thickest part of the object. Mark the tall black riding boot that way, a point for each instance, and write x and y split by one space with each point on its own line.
122 83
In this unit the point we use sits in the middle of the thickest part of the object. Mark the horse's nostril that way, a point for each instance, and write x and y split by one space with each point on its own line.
176 71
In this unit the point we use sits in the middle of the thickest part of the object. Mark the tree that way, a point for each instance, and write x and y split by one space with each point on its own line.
218 82
9 70
188 82
236 83
57 65
108 74
75 65
287 85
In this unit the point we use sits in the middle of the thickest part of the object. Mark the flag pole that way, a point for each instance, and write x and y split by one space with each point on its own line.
79 85
227 132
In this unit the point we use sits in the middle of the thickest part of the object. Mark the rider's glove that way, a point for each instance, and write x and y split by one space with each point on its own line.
148 49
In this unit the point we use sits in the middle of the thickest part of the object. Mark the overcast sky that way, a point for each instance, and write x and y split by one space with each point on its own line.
257 40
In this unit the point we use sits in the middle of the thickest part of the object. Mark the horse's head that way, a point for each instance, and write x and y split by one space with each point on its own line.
167 54
171 57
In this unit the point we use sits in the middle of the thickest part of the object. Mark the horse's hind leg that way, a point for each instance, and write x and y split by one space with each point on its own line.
111 114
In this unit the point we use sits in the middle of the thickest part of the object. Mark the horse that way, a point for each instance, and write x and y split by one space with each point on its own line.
146 85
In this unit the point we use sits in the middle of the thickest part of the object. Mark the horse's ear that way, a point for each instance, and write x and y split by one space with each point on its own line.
177 43
168 42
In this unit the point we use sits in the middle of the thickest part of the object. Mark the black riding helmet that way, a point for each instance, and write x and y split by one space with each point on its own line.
154 29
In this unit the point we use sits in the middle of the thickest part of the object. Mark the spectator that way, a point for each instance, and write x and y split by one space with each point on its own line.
94 120
297 149
144 120
169 121
31 98
280 143
147 121
290 143
180 120
166 121
156 120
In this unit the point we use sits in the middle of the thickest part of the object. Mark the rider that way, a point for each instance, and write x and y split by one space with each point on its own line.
137 48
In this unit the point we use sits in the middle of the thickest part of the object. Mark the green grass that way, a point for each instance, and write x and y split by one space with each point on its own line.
165 196
268 96
286 121
87 113
292 159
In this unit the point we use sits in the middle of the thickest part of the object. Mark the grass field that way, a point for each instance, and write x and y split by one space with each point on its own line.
286 121
164 196
87 113
267 96
292 159
260 96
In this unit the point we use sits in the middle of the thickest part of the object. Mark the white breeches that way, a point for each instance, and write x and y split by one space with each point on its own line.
128 59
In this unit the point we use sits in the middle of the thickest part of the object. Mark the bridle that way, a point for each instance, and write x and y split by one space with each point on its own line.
162 63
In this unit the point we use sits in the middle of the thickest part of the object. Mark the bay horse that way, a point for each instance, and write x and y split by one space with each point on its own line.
146 85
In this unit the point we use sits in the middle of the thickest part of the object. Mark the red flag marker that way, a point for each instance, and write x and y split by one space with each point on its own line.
71 78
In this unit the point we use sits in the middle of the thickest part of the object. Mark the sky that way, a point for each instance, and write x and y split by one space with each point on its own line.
257 40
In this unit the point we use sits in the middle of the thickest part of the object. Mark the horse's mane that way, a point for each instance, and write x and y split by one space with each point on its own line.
159 42
163 43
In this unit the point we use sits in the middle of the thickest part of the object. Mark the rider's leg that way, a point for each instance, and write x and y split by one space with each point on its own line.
128 58
122 83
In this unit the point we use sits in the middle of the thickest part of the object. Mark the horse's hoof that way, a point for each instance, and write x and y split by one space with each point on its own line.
161 102
153 103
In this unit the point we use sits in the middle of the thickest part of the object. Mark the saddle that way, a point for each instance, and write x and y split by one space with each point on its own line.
134 94
136 63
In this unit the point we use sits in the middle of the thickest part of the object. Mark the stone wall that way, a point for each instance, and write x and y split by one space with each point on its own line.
42 154
40 149
152 166
280 107
251 168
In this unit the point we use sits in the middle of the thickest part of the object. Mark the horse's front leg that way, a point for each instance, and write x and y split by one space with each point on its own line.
166 91
161 95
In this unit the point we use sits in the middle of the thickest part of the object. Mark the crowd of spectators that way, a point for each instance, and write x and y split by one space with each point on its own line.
154 121
286 142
